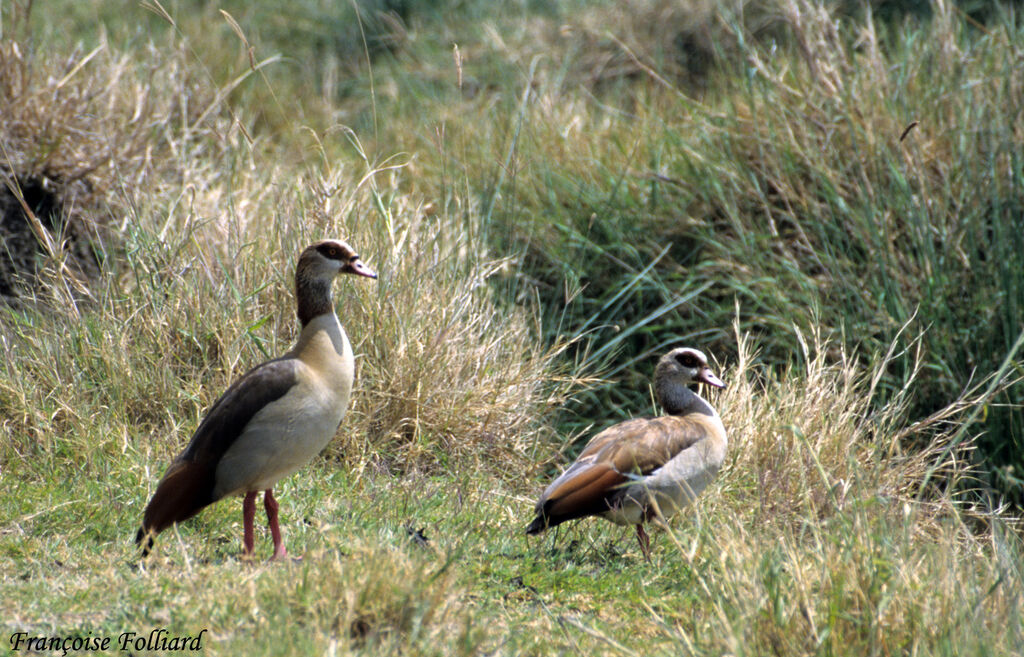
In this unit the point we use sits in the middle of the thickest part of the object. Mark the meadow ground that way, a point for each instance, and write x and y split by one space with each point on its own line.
551 197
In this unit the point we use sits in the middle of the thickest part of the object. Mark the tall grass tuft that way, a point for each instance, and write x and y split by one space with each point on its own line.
834 549
537 224
835 172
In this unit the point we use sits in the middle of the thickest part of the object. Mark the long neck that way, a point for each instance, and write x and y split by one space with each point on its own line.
313 296
677 399
323 338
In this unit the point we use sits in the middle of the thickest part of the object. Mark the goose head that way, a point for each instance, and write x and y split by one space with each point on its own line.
328 258
675 372
318 266
686 365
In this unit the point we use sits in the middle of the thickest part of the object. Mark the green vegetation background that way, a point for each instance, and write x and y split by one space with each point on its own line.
827 198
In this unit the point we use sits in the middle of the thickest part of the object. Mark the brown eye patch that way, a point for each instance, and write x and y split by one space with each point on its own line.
330 251
687 360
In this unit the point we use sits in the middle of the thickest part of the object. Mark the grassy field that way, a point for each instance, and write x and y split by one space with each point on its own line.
826 201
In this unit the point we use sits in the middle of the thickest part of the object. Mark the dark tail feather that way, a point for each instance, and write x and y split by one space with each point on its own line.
585 494
183 492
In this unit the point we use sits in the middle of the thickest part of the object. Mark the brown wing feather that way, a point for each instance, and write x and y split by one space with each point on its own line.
647 444
189 483
583 495
634 447
185 489
229 415
582 490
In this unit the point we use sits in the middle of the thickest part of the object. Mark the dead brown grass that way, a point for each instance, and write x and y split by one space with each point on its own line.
812 446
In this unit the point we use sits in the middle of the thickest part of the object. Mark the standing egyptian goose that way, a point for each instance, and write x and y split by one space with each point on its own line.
640 468
273 420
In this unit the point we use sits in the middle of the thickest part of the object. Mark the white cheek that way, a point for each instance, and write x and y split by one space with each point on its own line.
329 268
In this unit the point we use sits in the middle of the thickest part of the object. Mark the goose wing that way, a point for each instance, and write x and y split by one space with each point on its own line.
613 458
188 484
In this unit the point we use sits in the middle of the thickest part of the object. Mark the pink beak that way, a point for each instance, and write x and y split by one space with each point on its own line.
707 377
359 269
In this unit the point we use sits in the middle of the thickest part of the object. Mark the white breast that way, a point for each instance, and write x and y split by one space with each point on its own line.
289 432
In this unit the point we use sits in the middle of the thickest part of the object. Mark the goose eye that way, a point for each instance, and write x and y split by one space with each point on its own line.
687 360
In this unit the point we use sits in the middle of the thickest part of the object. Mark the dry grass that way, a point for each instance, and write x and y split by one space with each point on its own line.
828 544
816 539
809 445
828 179
819 536
449 373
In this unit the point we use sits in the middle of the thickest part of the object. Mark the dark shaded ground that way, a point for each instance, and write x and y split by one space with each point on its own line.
22 256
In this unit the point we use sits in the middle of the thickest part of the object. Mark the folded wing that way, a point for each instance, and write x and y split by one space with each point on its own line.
189 482
613 459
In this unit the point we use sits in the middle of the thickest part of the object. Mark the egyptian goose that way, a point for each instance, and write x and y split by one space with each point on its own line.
641 468
273 420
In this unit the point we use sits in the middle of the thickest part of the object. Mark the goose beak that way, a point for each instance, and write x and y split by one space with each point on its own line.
706 376
359 269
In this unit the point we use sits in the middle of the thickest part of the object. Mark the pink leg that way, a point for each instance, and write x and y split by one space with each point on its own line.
645 542
270 504
248 515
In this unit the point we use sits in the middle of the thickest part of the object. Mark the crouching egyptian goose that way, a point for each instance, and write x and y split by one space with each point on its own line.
273 420
645 467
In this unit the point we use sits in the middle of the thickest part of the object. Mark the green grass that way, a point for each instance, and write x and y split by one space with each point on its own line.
573 194
809 543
